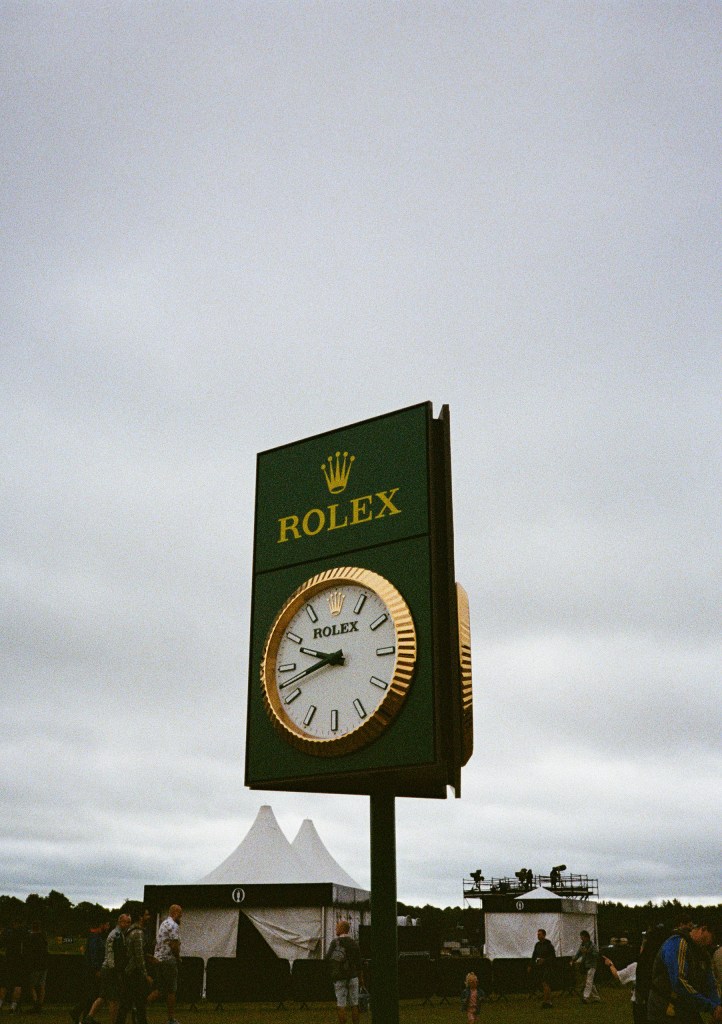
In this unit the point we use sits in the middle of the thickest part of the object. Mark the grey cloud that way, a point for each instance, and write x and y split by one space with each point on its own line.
231 227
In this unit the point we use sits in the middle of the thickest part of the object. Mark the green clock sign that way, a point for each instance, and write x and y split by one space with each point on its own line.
359 650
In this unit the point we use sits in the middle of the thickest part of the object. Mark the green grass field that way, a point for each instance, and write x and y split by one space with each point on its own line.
615 1009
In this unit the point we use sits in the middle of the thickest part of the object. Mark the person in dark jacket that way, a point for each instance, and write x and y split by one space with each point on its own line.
92 962
112 989
683 985
653 939
542 959
587 956
14 941
37 959
138 981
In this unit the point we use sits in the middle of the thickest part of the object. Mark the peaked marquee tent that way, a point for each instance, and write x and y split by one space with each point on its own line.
511 923
291 893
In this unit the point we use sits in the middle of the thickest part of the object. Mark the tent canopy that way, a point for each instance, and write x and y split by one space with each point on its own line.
541 894
309 845
265 856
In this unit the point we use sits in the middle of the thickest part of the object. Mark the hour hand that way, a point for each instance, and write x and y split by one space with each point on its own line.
334 658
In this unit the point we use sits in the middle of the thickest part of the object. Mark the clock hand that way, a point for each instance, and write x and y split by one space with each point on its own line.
334 658
322 654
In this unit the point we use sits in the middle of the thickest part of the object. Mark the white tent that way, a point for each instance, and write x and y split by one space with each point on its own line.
309 845
293 893
265 856
510 931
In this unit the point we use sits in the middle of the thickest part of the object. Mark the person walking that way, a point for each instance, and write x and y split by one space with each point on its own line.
587 956
138 981
542 959
111 986
471 998
344 956
92 962
14 940
37 960
167 955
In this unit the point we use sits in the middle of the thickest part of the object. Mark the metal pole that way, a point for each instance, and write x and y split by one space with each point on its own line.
384 942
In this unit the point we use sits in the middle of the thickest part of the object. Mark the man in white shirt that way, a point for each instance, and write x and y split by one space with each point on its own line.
167 954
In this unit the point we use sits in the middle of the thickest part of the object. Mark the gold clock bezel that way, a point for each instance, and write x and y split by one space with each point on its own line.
384 714
467 698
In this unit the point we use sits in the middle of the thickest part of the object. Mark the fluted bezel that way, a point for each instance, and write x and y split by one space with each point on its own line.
385 713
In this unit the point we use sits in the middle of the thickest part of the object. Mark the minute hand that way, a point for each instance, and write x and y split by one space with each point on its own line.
334 658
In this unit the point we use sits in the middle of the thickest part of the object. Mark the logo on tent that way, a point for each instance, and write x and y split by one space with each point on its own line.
238 895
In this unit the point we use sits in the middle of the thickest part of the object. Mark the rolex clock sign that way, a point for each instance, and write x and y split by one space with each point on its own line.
360 669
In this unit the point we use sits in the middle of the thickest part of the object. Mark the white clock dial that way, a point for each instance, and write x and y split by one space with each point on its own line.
352 626
338 661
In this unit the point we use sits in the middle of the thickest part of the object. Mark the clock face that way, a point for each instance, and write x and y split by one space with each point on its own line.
338 661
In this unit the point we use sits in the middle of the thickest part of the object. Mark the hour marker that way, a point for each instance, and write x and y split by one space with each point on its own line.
375 681
379 622
359 604
292 696
290 666
296 639
360 710
386 650
309 715
334 721
311 614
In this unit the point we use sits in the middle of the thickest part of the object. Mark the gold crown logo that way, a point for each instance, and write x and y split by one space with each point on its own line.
337 471
335 602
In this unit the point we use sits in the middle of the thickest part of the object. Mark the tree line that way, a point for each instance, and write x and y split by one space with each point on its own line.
58 916
614 920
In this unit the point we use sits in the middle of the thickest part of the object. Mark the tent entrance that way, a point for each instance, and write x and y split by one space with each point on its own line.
250 944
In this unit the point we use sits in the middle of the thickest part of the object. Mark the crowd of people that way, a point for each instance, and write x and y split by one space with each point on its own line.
677 976
125 967
26 965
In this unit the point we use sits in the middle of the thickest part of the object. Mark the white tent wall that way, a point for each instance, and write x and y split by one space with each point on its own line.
510 936
209 932
513 934
293 933
572 924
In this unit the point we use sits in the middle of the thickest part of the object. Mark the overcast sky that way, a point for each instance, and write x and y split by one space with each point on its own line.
228 225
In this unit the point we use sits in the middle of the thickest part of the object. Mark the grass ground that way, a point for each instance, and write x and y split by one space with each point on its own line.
615 1009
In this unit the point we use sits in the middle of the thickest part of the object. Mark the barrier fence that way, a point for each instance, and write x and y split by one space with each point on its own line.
235 980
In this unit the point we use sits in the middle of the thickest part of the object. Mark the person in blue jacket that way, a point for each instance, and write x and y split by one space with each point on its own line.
683 985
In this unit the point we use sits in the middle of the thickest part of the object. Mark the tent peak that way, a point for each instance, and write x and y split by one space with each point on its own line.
309 845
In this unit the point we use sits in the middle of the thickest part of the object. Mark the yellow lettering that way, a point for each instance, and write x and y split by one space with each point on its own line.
307 522
332 524
316 519
359 509
388 505
288 523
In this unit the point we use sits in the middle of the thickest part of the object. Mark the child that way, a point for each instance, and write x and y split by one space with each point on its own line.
471 999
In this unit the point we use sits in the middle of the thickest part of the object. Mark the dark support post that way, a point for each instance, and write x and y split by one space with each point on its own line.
384 942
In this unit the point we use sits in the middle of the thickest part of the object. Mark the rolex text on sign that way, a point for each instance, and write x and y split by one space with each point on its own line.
354 512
